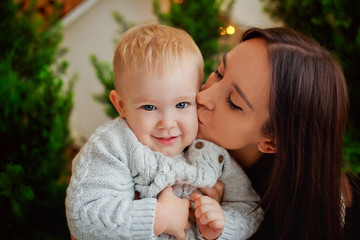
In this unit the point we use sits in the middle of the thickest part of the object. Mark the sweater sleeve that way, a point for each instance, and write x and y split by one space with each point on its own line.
240 204
100 197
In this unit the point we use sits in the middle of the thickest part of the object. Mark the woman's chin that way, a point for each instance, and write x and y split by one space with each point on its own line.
200 135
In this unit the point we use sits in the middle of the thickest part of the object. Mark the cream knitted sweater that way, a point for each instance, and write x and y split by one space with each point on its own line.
113 164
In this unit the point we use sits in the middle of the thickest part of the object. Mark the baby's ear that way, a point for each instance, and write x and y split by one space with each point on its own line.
268 145
118 103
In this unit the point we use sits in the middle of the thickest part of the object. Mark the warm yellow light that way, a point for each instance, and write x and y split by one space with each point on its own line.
222 31
230 30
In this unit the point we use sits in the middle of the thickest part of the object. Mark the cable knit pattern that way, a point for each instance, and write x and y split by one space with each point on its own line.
113 164
198 167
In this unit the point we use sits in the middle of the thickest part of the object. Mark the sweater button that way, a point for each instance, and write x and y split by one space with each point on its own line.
199 145
221 158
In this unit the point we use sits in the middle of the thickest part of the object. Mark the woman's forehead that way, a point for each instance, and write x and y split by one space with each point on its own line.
247 68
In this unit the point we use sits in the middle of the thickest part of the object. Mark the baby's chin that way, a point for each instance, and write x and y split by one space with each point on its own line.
170 153
174 152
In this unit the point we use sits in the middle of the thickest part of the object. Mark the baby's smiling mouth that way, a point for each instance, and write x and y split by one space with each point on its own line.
166 140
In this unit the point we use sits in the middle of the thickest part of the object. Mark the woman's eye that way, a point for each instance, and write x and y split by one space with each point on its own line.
148 107
218 75
232 105
182 105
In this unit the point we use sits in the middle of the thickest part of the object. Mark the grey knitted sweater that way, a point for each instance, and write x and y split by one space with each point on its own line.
113 164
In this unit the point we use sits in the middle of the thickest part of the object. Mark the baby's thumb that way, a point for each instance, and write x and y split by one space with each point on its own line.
187 202
180 235
168 189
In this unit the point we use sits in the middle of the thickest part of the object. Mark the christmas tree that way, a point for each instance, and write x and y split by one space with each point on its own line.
34 132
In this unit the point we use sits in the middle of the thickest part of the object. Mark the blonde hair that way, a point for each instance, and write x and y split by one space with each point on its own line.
152 48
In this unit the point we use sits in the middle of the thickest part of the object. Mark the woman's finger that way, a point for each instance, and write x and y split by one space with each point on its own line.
195 196
216 192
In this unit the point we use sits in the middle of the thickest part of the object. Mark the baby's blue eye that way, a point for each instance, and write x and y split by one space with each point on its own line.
182 105
148 107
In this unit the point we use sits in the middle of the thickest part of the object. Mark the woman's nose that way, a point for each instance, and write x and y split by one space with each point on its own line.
205 98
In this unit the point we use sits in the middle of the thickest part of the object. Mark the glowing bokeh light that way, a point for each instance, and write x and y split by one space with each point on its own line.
222 31
230 30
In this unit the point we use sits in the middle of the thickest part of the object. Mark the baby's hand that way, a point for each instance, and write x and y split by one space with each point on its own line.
172 214
209 215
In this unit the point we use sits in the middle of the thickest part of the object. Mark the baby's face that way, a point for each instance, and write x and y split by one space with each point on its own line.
161 109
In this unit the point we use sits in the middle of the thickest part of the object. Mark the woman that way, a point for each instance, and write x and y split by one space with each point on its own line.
278 103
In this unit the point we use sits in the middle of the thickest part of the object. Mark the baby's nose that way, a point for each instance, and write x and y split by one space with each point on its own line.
166 123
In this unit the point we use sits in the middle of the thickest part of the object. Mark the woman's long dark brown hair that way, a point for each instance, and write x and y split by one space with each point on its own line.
308 113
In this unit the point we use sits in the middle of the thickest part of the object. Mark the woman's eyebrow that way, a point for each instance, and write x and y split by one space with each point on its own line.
242 95
238 90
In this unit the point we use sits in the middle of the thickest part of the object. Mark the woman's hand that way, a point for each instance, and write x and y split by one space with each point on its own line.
172 214
216 192
209 215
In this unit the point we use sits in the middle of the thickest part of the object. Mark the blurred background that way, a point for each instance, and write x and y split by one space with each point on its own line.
56 74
